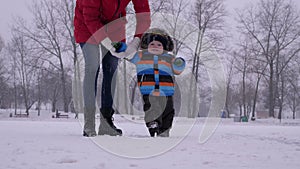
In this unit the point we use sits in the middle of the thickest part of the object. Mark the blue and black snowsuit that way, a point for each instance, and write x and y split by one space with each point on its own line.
155 75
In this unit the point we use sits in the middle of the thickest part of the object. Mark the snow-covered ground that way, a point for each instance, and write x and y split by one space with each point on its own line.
48 143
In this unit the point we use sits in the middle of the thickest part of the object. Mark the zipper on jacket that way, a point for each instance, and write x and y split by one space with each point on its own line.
142 79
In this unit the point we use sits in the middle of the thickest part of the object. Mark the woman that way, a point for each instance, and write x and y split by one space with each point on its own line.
102 22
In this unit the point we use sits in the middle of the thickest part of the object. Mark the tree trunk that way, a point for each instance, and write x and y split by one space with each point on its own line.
255 97
39 94
241 109
53 106
281 98
271 92
54 100
15 94
63 81
294 114
244 93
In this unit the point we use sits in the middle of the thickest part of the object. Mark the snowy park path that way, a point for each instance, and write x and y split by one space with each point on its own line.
58 144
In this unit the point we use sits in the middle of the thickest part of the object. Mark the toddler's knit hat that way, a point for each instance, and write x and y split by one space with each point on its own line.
156 34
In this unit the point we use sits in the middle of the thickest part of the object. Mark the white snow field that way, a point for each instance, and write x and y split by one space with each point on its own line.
49 143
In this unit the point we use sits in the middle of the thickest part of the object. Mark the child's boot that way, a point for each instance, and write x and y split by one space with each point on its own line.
153 128
164 133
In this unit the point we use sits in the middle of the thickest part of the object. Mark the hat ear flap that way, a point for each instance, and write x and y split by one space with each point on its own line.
170 45
144 41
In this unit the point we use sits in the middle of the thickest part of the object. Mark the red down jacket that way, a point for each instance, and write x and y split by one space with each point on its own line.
97 19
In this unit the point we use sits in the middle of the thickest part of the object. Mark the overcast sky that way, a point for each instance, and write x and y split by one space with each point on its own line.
11 8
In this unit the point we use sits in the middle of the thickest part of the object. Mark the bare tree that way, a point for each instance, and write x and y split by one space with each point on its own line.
50 80
258 69
229 81
49 34
2 68
293 90
66 10
242 64
209 17
176 23
273 26
4 88
21 55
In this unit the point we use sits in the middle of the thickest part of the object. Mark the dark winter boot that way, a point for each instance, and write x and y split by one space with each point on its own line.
89 122
164 133
153 128
89 134
107 126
